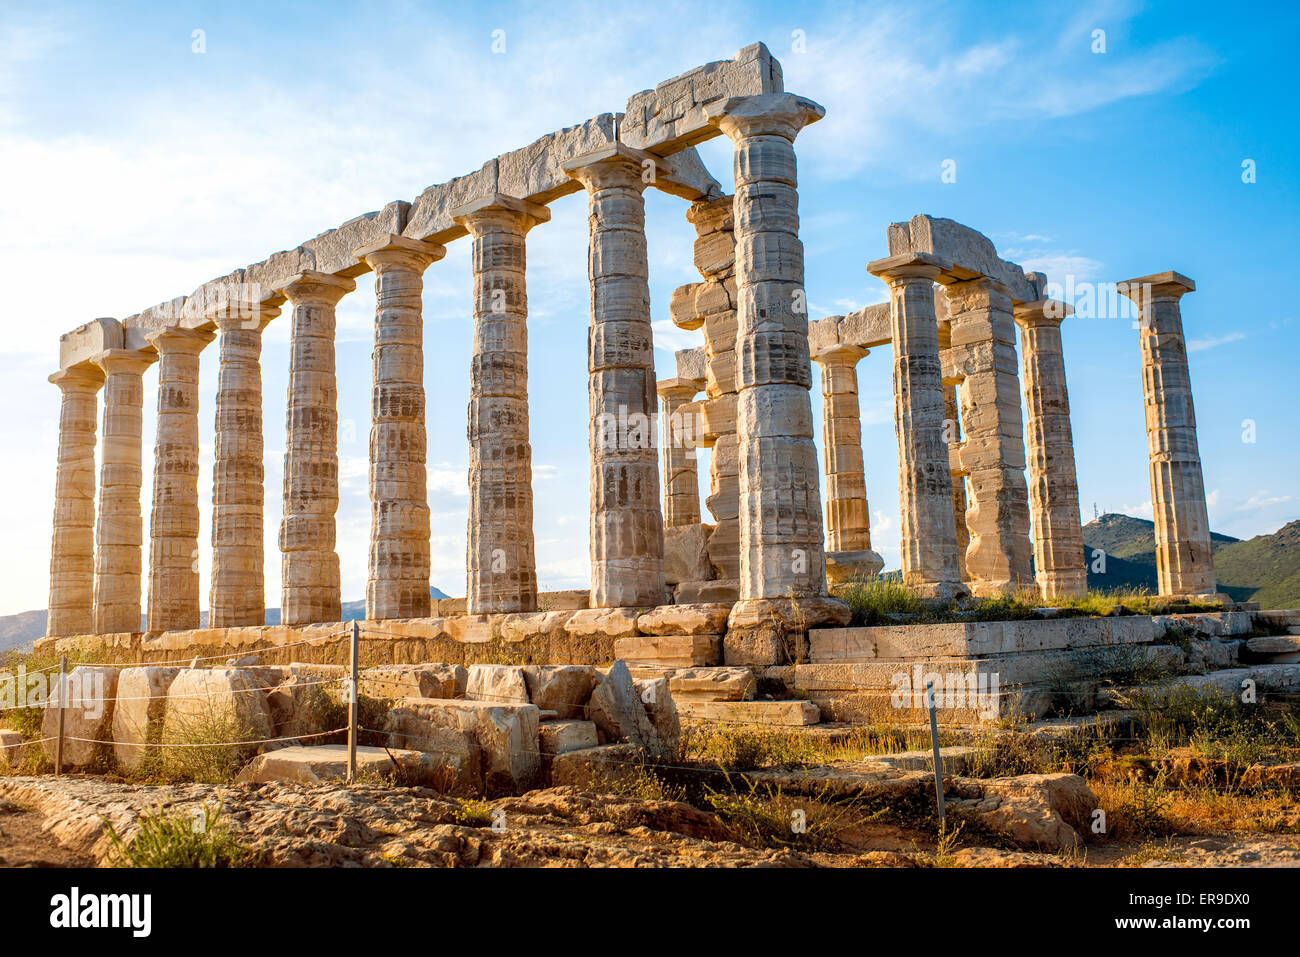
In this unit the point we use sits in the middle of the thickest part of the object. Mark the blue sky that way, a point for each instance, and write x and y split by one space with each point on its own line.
137 169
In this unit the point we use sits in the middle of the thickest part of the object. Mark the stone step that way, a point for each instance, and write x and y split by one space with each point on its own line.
329 762
788 714
879 707
674 651
713 684
1284 648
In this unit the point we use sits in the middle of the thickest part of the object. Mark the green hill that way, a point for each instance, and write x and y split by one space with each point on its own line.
1265 569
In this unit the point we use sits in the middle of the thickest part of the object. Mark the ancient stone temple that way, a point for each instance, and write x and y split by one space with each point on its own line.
987 487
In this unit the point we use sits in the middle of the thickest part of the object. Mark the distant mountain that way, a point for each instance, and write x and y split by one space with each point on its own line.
20 630
1265 569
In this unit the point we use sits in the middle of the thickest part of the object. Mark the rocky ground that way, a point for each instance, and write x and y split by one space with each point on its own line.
62 822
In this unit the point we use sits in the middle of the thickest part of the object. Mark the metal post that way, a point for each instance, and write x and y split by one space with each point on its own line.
63 702
934 742
353 708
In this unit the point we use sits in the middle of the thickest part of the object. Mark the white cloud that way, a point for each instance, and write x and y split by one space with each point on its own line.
1209 342
1262 499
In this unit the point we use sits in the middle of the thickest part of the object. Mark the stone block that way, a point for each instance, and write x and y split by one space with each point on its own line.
677 651
606 622
223 704
564 689
713 684
686 553
11 748
87 715
328 763
430 215
787 714
592 769
535 173
497 683
414 681
661 709
560 737
619 714
138 712
708 592
685 619
486 746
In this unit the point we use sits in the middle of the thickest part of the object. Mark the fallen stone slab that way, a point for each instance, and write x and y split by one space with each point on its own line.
1047 811
87 715
956 759
560 737
489 745
713 684
617 710
329 762
1274 646
138 712
564 689
661 708
787 714
861 779
497 683
671 651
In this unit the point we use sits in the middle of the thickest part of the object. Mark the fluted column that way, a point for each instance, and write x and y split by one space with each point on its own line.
681 476
237 593
72 545
310 587
627 526
500 561
781 546
174 523
929 535
952 416
848 517
399 566
1059 564
119 531
1184 559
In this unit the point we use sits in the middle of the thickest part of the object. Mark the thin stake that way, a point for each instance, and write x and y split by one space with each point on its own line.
352 705
934 743
63 700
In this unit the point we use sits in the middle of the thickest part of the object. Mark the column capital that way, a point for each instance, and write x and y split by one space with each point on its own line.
394 250
123 360
313 287
615 165
1161 285
179 341
678 388
256 318
499 206
905 266
83 377
840 353
779 114
1041 311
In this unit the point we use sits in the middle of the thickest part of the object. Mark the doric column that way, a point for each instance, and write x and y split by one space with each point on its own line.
237 593
929 536
72 547
983 341
1059 564
119 531
310 587
781 549
681 478
951 424
1184 561
174 523
501 566
398 582
627 528
848 518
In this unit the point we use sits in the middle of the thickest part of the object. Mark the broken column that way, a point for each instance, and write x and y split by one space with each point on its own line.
1059 565
848 518
1184 560
681 478
781 548
929 535
983 342
399 565
501 565
309 582
237 592
626 521
174 523
72 547
119 531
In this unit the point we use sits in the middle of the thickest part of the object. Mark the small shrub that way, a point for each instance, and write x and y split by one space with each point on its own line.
473 813
178 841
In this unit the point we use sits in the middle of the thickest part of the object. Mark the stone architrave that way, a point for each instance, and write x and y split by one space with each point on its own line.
500 561
174 522
782 554
983 343
72 547
929 534
119 531
1059 564
627 526
237 594
848 518
310 586
1184 559
399 565
681 473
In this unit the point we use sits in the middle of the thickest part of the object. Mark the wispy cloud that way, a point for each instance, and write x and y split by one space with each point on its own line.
1209 342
